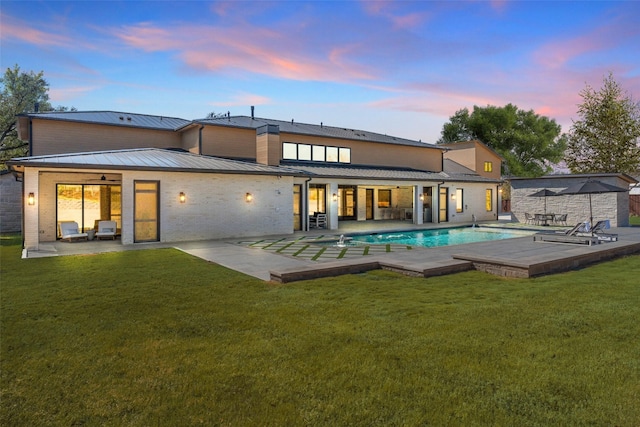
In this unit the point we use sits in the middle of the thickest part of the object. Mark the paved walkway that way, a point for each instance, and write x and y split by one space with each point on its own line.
296 253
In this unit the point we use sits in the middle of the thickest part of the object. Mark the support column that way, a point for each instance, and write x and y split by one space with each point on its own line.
417 204
332 206
31 227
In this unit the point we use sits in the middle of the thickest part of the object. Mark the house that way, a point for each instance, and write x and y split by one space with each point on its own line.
169 179
612 206
476 156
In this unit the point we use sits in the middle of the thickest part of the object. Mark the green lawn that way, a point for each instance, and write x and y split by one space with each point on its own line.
634 221
157 337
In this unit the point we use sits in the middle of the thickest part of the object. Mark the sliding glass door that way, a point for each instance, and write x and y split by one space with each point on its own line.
87 204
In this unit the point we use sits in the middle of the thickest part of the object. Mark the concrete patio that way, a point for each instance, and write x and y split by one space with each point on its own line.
516 257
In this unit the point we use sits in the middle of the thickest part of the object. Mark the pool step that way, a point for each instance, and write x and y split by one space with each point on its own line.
429 268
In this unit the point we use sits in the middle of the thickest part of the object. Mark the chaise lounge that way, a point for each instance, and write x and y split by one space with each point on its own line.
598 231
577 235
69 231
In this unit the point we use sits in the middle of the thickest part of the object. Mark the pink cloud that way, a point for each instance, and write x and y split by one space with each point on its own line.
19 30
246 48
390 11
69 93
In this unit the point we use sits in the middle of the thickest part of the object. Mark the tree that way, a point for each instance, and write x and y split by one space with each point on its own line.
529 143
20 92
606 139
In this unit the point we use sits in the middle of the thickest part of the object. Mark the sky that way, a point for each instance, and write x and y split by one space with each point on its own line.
400 68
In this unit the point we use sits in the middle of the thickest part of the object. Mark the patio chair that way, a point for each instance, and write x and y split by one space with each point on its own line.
560 219
529 219
318 220
106 230
69 231
598 230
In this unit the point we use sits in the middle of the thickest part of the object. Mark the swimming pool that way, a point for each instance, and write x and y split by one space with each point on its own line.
439 237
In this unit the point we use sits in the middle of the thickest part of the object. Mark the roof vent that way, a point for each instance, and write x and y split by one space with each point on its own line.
129 118
121 118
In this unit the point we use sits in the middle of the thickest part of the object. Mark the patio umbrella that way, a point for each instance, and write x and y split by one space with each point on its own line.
543 193
592 186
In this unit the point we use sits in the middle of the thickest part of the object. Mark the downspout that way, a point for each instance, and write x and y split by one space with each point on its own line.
30 137
200 139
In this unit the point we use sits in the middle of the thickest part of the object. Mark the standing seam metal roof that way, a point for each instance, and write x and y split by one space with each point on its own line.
114 118
151 159
247 122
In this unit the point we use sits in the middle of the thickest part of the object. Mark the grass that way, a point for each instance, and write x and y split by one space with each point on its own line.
157 337
634 221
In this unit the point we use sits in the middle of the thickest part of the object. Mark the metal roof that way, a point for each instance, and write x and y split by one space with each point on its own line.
320 130
353 172
150 159
114 118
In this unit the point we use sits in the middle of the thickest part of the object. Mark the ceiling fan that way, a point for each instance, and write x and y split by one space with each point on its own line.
103 179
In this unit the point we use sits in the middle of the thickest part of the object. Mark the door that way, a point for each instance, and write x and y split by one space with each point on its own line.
369 203
347 202
297 207
146 211
442 205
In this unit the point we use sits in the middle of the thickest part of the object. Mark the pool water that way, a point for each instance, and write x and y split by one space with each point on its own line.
440 237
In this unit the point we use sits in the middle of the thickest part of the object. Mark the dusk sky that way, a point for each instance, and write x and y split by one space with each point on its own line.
398 68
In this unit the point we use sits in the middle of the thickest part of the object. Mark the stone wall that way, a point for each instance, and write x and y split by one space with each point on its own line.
611 206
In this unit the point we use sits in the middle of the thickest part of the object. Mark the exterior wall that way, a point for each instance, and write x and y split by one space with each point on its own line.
31 226
611 206
268 149
229 142
190 140
377 154
56 137
473 155
216 207
473 202
10 204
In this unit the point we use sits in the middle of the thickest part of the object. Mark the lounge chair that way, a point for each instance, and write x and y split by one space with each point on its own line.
598 230
69 231
577 235
106 230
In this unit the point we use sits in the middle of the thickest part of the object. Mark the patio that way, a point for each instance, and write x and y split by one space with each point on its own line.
517 257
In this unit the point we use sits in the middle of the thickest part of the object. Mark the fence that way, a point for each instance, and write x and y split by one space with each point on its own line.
506 206
634 204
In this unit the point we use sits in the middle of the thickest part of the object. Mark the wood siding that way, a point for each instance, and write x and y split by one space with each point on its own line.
57 137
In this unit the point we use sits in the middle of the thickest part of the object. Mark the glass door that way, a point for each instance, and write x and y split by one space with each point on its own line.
346 202
297 207
87 204
369 203
442 204
146 211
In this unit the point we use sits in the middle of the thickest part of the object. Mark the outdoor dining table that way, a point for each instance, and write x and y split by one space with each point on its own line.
543 219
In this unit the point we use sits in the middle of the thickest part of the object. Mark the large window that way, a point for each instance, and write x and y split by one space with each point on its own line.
489 200
384 198
315 153
459 200
88 204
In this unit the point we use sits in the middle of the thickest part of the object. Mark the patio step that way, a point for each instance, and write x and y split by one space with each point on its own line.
430 268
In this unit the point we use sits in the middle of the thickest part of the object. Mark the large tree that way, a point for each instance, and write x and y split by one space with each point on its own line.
606 138
20 92
528 142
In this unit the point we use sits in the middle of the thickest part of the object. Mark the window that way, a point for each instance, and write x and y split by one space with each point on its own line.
304 152
289 151
489 200
332 154
488 167
86 204
459 200
315 153
344 155
384 198
318 153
